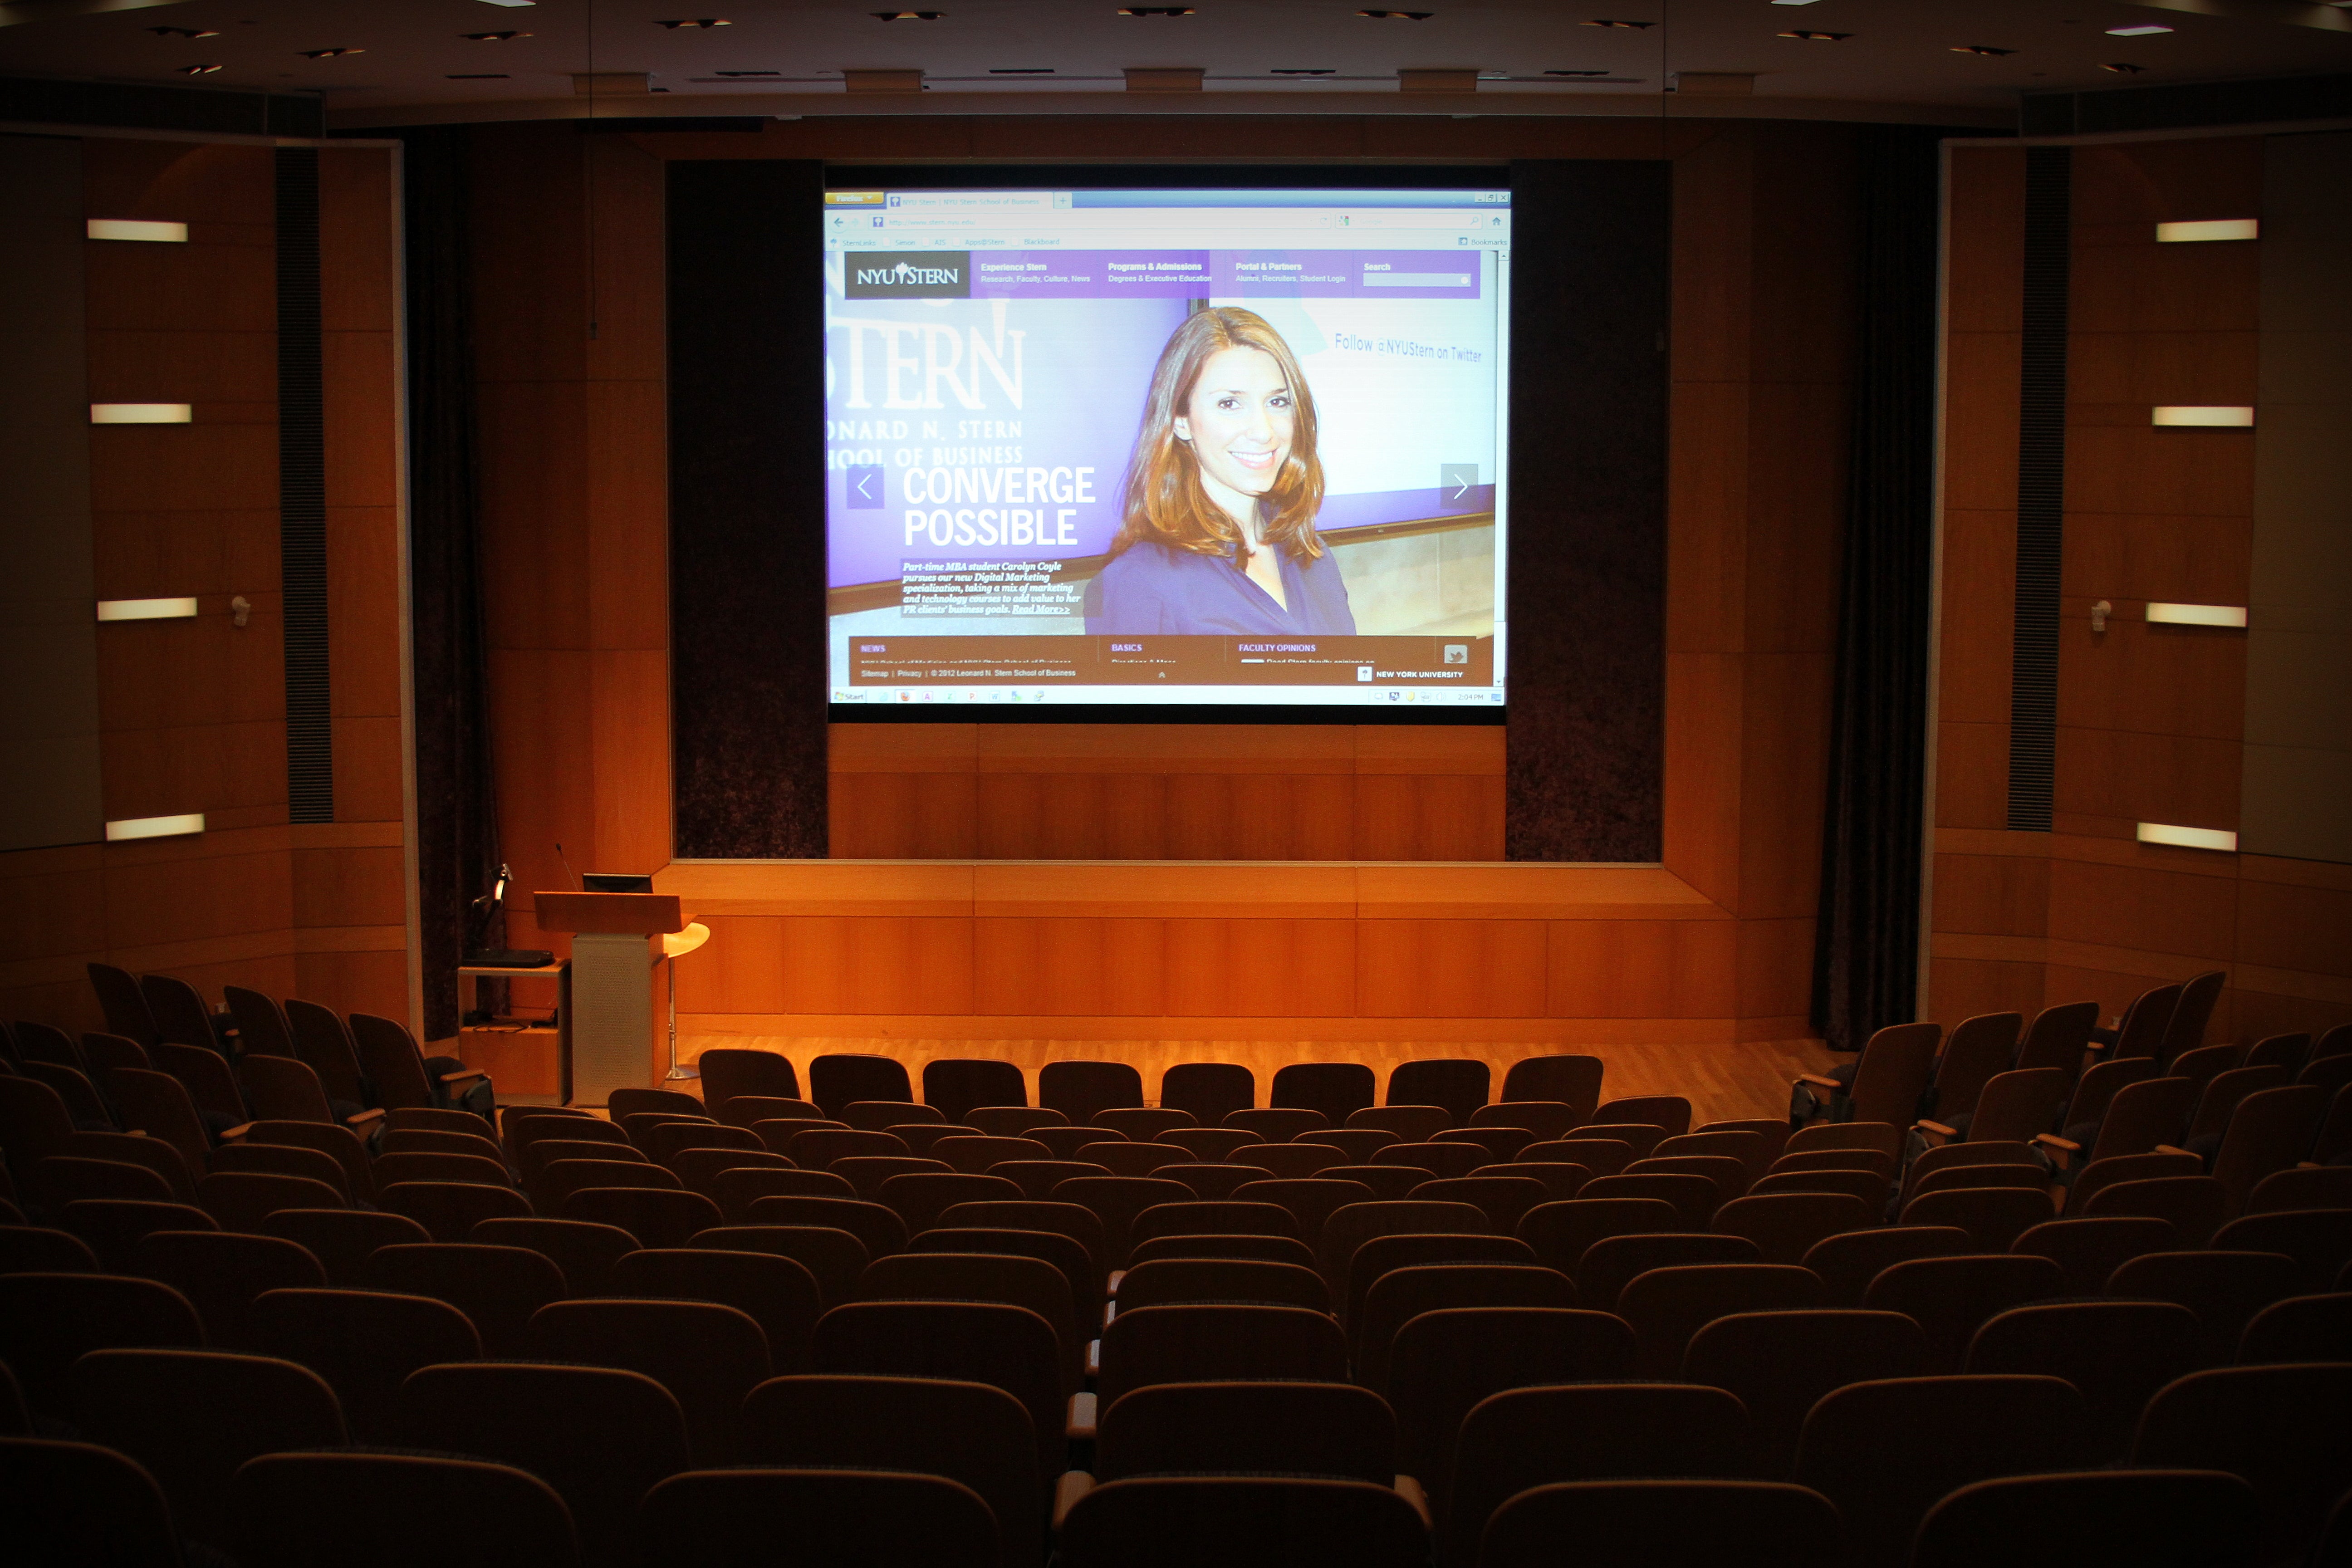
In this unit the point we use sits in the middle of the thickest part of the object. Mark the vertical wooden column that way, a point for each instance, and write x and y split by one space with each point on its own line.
569 345
1764 235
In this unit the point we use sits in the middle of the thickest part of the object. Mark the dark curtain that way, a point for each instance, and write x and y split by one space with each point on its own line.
1591 245
457 803
745 257
1867 945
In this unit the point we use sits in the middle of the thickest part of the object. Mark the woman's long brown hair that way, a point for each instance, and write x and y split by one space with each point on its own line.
1165 501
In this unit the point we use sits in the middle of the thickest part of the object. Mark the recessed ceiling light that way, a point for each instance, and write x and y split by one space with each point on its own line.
675 24
1303 70
1613 22
908 16
1155 10
1398 16
511 4
186 32
197 70
2137 30
1979 50
1818 38
2122 67
332 54
492 37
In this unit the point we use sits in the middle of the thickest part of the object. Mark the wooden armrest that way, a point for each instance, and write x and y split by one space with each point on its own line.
1410 1489
1110 1311
1073 1485
2169 1149
1094 1358
1938 1128
364 1119
237 1134
464 1075
2094 1047
2052 1141
1829 1083
1111 1289
2308 1165
1079 1428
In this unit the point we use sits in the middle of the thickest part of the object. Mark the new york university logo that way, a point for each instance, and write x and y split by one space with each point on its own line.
910 275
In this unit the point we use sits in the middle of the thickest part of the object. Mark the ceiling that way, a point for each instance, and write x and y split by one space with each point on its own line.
411 60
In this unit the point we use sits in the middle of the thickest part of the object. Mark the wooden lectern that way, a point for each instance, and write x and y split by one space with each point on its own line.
616 1028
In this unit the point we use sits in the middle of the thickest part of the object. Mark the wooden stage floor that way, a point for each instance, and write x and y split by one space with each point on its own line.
1722 1082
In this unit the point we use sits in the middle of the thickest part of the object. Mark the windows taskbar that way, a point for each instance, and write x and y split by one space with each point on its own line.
1148 697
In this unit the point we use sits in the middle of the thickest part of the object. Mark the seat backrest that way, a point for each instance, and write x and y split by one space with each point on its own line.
1198 1342
47 1322
1442 1363
2089 1250
2146 1021
1006 1347
1334 1088
1667 1305
1211 1091
222 1273
727 1071
1545 1119
1458 1084
1995 1215
970 1432
68 1502
2019 1104
388 1053
1895 1065
954 1085
281 1088
1411 1121
1175 1281
2115 1354
1281 1123
837 1079
709 1355
834 1258
1526 1438
2184 1030
1504 1196
1115 1201
1007 1279
2224 1286
2218 1095
498 1287
1572 1081
2319 1240
1977 1049
1302 1523
1780 1364
835 1516
1401 1295
1883 1451
584 1251
1240 1427
120 999
1949 1298
321 1039
1561 1233
2278 1428
2300 1328
1351 1227
182 1018
1620 1524
1078 1090
1785 1226
261 1023
2144 1114
2183 1517
191 1417
2270 1131
601 1436
157 1104
656 1217
419 1509
1379 1254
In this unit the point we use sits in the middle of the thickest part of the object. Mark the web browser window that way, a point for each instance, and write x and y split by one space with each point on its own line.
1167 446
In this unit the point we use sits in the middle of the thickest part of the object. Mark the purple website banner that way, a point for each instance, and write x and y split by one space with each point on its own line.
1200 273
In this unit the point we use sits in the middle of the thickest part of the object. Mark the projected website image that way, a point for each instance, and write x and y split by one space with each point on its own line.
1120 452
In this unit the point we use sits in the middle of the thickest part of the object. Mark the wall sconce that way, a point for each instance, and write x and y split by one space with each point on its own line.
2181 837
154 827
138 230
2099 614
2208 230
2203 417
142 414
2232 615
145 609
240 610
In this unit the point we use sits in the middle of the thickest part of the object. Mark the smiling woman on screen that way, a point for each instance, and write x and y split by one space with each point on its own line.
1217 534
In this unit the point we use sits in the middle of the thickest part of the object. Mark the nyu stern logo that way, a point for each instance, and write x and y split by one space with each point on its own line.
911 274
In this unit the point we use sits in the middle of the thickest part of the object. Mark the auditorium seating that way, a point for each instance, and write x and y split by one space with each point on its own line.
1401 1330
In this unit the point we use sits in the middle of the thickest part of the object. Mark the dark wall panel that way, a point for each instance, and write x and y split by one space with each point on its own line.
1590 243
747 509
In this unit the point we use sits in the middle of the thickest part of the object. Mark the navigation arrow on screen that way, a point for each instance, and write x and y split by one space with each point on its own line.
1456 480
865 484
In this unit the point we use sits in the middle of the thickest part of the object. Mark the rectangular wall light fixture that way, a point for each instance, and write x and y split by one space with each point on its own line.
2188 837
135 228
2198 616
145 609
2207 230
154 827
141 412
2204 415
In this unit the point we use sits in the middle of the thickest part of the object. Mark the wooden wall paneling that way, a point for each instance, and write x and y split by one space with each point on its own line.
1452 968
1993 895
2145 909
2110 780
1642 969
1966 987
2181 560
1280 968
1028 964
